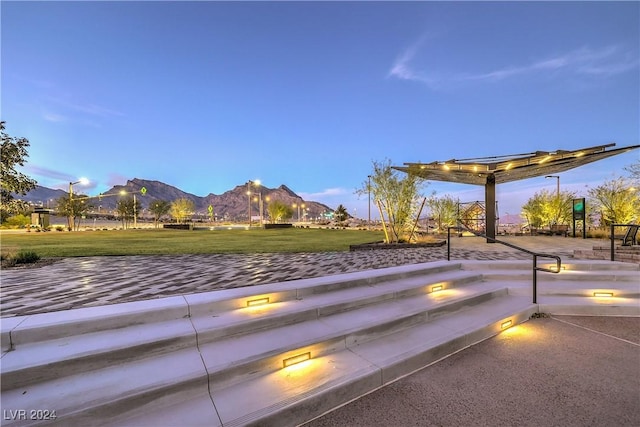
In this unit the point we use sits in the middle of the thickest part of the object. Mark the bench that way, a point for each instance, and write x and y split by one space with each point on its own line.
560 229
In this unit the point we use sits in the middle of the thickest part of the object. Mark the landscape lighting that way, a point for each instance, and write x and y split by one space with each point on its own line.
257 301
506 324
296 359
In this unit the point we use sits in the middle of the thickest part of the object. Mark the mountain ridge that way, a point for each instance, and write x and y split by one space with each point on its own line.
232 204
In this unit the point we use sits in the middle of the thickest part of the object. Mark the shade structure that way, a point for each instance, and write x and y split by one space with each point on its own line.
489 171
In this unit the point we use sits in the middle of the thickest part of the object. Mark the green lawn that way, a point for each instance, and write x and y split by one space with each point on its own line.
160 242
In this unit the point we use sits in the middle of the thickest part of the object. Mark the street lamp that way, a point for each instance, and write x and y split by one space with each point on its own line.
369 216
557 184
135 208
83 181
256 184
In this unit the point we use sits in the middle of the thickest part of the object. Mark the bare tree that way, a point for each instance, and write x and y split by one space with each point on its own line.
397 196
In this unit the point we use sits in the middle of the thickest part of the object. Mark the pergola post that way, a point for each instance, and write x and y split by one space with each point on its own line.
490 207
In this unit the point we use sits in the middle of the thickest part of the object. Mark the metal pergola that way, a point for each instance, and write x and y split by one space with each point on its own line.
489 171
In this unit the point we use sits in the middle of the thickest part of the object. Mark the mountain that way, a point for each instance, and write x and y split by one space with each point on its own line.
42 196
232 204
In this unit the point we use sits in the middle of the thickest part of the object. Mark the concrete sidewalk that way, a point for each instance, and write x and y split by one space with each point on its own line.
558 371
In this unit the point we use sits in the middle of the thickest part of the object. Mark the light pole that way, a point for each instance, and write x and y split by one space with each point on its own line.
249 200
135 208
369 216
557 184
256 183
83 181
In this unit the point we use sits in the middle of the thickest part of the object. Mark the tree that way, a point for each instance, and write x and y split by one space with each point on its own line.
13 152
634 171
545 208
398 197
443 209
128 208
74 208
279 211
340 214
159 208
182 209
617 201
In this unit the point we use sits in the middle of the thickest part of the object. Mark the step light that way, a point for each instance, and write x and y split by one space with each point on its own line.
296 359
506 324
603 294
257 301
437 288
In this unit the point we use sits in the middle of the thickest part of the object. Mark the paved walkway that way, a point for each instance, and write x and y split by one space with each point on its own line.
92 281
561 371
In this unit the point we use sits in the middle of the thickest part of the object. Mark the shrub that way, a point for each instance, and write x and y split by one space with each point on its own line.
26 257
9 258
18 221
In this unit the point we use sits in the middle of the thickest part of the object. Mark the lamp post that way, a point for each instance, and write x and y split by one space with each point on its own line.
83 181
135 208
369 216
557 184
255 183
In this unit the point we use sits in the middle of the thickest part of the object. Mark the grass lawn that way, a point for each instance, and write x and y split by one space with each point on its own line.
163 242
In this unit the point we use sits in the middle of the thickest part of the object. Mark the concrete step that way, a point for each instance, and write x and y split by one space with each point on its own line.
255 353
90 356
50 326
90 351
605 271
567 264
595 306
292 395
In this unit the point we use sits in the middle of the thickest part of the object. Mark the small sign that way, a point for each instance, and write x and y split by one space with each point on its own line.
578 209
143 190
210 208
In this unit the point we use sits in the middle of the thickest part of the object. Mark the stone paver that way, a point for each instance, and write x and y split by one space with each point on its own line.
93 281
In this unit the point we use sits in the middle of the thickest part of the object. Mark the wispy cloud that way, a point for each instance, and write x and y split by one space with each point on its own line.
403 69
56 179
604 62
329 192
53 117
49 173
585 61
87 108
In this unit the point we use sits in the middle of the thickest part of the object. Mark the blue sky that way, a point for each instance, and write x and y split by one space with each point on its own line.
207 95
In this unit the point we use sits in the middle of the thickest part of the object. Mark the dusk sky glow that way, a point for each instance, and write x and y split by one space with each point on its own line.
205 96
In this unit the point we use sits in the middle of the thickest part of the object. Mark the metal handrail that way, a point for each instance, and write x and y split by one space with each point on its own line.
535 255
612 237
